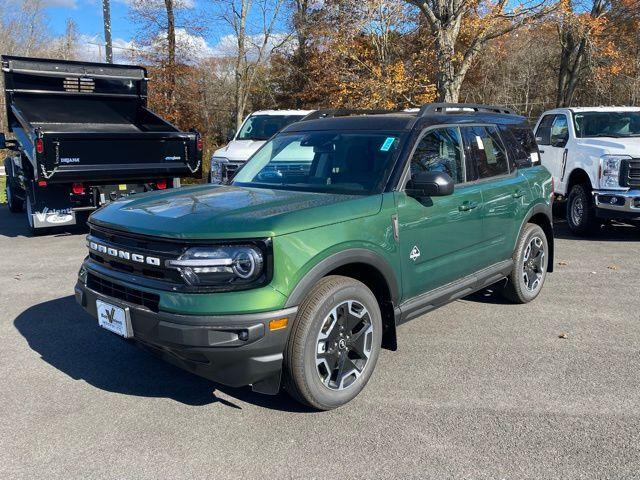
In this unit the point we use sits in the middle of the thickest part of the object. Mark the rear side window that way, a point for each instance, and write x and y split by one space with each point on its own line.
486 147
521 144
440 151
543 132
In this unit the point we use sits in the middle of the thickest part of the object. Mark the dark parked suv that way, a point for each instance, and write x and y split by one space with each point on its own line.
334 233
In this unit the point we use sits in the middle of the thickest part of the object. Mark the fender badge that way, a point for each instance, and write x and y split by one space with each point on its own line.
415 253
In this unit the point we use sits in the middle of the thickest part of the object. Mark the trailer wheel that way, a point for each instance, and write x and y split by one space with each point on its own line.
15 203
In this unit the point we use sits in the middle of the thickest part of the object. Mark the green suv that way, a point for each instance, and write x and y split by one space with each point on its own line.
334 233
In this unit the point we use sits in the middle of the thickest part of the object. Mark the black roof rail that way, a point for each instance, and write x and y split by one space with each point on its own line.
341 112
431 108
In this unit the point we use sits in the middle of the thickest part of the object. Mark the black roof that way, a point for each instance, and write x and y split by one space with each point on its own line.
403 121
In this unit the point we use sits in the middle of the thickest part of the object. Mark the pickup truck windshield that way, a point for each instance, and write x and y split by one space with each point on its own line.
263 127
327 161
607 124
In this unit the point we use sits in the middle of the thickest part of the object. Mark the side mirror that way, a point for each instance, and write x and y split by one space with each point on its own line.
3 141
430 184
230 135
559 142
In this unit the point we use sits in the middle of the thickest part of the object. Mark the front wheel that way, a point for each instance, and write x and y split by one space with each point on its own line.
530 262
581 213
334 345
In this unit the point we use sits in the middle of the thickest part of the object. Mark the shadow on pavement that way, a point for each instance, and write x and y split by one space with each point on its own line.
69 339
15 225
611 232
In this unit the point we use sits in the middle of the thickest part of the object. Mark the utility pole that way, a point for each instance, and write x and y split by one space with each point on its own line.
106 14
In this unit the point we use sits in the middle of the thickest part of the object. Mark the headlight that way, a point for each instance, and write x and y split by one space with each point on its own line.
216 169
232 266
610 171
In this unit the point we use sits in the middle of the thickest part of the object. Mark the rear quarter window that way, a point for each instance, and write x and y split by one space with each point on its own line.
521 144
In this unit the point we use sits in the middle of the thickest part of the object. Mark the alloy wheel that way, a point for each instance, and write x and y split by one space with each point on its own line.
343 345
533 263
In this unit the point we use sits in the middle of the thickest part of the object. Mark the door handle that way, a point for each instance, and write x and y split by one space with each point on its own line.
466 206
518 194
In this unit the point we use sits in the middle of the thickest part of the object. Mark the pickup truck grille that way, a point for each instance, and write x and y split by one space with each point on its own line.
633 173
229 171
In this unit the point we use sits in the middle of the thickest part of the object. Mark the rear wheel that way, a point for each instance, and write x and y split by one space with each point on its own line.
581 212
15 203
334 345
530 262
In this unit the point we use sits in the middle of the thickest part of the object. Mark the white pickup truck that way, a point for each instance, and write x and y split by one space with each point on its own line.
593 154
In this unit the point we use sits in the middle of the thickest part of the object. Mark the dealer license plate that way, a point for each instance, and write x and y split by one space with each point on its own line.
115 319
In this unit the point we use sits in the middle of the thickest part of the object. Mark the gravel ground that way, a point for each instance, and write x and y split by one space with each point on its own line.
478 389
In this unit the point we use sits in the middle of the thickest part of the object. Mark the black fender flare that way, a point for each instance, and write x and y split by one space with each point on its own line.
339 259
546 210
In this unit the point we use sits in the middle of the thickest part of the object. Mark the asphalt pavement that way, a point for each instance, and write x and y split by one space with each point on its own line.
479 389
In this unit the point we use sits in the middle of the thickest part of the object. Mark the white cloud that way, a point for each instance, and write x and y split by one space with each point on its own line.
228 46
91 49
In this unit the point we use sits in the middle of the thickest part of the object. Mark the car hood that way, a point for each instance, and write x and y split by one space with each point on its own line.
212 212
613 146
239 150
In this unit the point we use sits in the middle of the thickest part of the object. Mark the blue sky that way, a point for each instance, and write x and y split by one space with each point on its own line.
88 16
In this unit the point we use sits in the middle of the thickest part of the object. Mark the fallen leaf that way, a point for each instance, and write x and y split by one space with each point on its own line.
563 264
593 273
563 335
612 267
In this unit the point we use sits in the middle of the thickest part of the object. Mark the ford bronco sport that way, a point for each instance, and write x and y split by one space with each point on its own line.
334 233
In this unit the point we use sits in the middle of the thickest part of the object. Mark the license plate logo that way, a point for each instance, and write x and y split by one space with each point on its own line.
115 319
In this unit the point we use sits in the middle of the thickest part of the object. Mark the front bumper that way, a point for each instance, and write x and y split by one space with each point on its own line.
613 204
234 350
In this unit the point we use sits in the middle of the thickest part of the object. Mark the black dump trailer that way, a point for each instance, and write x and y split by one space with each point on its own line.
84 137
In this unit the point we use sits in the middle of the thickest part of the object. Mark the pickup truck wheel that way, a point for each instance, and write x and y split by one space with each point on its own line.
334 344
581 213
530 261
15 204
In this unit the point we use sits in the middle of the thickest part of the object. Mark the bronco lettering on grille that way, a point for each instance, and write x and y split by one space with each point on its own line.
123 254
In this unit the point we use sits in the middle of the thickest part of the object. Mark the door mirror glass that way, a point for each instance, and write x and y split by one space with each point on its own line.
430 184
559 131
230 135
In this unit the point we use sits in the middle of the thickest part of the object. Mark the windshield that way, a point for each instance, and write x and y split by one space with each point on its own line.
607 124
334 162
263 127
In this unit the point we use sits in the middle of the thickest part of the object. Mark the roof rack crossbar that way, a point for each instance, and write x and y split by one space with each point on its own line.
342 112
431 108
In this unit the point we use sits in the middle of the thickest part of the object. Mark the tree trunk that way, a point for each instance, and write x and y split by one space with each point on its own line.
106 15
240 70
171 53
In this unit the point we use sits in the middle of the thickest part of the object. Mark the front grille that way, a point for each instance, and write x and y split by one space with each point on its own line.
633 173
118 243
229 171
127 294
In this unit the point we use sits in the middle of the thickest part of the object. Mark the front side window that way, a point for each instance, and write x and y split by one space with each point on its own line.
607 124
440 151
263 127
486 147
324 161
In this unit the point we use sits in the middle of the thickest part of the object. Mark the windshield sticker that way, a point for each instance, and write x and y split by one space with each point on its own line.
386 146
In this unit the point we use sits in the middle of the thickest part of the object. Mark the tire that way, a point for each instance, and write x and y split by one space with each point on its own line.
15 204
318 350
530 263
581 212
